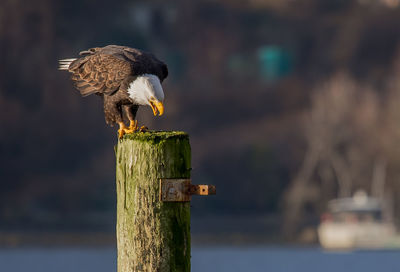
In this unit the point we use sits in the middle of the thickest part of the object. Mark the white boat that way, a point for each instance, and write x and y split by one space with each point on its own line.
357 222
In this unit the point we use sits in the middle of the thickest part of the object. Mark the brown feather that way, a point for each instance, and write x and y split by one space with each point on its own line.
103 70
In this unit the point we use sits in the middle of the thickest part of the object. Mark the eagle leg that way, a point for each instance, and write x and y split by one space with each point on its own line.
143 129
121 130
131 111
133 125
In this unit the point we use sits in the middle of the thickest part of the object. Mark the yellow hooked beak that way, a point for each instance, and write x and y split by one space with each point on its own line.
157 106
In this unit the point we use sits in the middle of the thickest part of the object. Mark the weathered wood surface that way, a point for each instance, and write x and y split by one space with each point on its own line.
152 235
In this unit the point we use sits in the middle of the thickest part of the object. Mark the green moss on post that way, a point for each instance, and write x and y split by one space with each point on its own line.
152 235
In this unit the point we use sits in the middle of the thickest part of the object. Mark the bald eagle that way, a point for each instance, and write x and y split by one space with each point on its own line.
124 77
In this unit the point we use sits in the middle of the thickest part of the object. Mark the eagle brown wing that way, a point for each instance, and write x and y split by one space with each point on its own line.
101 70
99 73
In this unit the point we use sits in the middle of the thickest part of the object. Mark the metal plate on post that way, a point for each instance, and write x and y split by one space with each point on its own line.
174 190
181 190
202 189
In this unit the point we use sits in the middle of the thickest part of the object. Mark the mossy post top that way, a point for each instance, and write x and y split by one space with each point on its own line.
156 136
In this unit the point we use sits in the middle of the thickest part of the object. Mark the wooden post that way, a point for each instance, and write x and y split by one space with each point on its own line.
152 235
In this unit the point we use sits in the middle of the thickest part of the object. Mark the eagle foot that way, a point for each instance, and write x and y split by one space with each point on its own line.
121 133
121 130
143 129
126 130
133 127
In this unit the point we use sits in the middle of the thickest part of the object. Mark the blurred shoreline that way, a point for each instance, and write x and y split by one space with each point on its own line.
242 229
9 239
104 239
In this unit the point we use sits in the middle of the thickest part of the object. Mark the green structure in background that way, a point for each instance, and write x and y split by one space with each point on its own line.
274 62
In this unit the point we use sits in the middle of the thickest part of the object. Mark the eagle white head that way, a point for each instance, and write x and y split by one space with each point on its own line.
146 90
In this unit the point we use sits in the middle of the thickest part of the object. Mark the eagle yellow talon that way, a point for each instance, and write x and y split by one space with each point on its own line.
133 127
128 130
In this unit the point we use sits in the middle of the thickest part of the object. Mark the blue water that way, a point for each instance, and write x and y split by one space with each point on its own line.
210 259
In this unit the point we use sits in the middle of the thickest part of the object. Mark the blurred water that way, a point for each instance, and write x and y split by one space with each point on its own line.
208 259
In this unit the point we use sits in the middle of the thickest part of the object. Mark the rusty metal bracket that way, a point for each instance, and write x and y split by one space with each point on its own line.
181 190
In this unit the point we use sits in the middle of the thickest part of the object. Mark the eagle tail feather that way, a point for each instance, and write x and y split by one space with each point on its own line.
65 63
